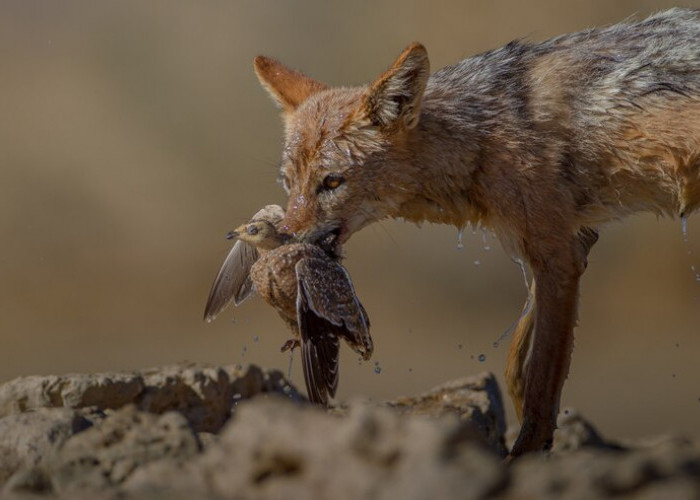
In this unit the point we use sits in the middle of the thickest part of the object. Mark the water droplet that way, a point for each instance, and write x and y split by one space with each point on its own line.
376 363
487 247
496 344
477 262
244 351
460 234
695 272
684 228
256 338
209 320
377 369
482 358
289 369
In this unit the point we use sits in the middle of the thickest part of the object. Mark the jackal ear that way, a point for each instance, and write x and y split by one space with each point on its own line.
287 87
395 97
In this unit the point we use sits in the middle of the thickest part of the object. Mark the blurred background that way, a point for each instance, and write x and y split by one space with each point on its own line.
134 135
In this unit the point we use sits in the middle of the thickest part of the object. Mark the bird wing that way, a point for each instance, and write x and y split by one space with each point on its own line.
233 280
320 349
328 290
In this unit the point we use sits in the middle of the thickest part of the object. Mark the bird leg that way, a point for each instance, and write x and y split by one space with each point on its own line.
290 345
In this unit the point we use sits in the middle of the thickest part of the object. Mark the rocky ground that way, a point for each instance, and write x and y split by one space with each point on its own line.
187 432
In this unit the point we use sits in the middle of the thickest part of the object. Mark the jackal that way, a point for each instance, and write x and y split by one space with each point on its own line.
542 142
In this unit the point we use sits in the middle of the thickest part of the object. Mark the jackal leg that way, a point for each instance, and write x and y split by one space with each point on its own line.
549 358
540 355
523 331
517 356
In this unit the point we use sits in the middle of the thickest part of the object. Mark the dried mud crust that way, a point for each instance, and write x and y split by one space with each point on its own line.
222 432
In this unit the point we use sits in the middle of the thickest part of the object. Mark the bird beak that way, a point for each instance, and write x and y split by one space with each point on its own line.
236 233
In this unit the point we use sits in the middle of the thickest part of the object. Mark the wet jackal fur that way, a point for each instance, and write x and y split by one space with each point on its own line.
542 142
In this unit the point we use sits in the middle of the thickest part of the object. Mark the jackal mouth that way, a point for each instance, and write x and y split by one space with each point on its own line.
330 242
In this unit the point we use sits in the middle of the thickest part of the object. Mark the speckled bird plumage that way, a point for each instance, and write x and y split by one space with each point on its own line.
310 290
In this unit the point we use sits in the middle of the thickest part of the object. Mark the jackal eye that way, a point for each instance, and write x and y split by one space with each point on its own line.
332 181
252 230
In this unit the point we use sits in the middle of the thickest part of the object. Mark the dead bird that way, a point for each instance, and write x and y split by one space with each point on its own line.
308 287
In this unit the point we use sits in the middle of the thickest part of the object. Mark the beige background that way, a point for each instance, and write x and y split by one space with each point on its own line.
134 135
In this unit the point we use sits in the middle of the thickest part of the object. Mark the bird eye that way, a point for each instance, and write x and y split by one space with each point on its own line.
252 230
332 181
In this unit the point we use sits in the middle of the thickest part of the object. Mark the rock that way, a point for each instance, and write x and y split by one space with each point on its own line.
475 399
27 439
197 432
204 395
575 432
583 464
106 454
416 448
603 473
277 449
104 390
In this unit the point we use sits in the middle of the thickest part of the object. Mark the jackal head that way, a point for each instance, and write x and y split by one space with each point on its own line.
344 147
